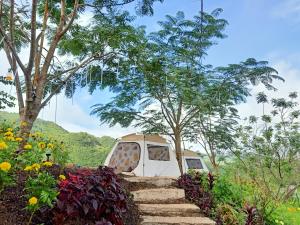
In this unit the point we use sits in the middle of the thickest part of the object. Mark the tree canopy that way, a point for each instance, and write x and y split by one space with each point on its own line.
61 45
170 86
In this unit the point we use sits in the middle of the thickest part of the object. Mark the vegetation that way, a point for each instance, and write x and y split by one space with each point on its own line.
83 149
6 99
95 196
172 91
162 85
47 27
233 200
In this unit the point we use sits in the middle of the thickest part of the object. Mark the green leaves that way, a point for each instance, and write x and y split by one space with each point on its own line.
6 99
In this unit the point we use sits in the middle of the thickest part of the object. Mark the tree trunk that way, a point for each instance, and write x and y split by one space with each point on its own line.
28 115
177 143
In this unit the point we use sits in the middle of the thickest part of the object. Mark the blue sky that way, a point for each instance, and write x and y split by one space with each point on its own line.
263 29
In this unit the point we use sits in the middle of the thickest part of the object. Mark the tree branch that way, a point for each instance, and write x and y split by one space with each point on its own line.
32 40
73 16
72 72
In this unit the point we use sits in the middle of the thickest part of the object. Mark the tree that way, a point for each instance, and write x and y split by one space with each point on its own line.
45 28
170 86
214 130
269 149
262 98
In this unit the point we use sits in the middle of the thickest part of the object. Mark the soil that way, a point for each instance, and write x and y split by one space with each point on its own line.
131 217
13 203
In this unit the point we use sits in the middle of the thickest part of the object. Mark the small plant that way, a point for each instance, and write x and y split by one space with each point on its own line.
5 177
94 195
43 187
251 213
41 191
227 215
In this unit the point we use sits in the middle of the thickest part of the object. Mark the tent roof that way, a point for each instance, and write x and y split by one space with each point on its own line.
190 153
146 137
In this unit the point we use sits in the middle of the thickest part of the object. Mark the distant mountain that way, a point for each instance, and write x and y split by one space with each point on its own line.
84 149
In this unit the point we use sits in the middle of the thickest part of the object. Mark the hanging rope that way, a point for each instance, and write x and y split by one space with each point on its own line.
101 74
72 89
55 112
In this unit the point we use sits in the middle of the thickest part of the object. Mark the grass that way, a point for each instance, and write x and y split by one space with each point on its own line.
289 214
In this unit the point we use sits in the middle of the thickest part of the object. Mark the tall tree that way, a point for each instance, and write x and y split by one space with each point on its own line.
45 28
262 98
169 86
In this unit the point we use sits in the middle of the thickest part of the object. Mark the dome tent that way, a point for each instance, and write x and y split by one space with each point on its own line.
150 155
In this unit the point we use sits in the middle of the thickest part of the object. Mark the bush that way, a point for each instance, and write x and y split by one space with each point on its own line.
196 192
94 195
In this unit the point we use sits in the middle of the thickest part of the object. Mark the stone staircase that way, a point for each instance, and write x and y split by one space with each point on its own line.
161 203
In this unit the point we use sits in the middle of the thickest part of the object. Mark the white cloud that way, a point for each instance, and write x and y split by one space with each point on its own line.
287 9
289 72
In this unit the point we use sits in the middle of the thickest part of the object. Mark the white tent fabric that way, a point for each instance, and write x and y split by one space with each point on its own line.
150 155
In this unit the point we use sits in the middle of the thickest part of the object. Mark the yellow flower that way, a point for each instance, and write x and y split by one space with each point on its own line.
28 168
9 138
36 166
9 129
50 146
42 145
5 166
28 146
8 134
62 177
3 145
33 201
9 77
18 139
292 209
48 164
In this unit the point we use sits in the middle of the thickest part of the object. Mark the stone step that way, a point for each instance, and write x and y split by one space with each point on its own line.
185 210
157 181
158 195
158 220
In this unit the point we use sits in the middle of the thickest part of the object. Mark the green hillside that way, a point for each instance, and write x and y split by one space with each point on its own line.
84 149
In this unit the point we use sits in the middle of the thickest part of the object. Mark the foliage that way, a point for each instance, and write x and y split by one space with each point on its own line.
227 202
41 186
93 195
169 87
268 148
226 214
196 192
51 28
6 99
81 148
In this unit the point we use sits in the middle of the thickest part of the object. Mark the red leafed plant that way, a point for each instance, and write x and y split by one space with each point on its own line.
92 195
251 212
196 192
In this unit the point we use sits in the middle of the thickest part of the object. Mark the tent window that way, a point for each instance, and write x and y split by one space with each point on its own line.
157 152
125 157
194 164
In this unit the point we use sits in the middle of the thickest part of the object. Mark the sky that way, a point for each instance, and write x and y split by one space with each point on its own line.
263 29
